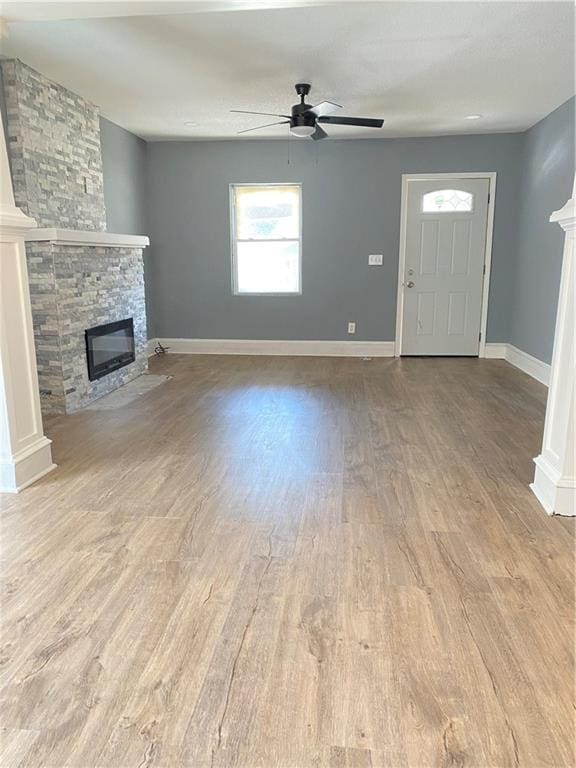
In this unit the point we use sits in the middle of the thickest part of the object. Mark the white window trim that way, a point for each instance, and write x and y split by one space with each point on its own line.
406 179
233 239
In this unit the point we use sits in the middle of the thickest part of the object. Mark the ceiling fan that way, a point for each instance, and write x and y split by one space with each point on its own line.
305 119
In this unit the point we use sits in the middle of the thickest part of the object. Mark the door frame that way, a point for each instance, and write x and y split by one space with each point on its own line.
408 177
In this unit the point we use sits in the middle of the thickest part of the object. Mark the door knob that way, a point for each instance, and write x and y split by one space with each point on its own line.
409 284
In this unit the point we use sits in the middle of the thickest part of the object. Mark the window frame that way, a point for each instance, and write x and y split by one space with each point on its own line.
234 240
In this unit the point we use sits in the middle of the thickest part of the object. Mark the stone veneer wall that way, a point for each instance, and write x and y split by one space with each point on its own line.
54 148
73 288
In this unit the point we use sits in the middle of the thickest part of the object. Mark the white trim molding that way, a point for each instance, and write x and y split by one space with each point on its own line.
80 237
519 359
25 453
555 475
268 347
406 179
556 493
495 350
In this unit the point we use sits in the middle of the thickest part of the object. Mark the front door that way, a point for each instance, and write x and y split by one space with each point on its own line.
444 266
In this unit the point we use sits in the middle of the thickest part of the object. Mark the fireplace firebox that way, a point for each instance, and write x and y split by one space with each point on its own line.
109 347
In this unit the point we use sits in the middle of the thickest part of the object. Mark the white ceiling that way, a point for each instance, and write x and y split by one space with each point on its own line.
423 66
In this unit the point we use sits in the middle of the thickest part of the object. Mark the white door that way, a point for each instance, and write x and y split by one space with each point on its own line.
444 266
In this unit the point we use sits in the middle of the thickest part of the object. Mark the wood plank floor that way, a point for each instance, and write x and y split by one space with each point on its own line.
292 563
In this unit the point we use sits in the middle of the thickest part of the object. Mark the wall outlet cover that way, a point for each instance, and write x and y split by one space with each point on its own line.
351 327
375 260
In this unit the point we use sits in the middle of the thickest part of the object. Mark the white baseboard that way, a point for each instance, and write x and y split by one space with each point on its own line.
267 347
530 365
556 494
522 360
27 466
495 351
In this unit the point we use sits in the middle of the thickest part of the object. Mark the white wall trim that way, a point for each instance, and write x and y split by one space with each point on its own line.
495 350
519 359
267 347
554 492
555 474
28 465
408 177
25 453
529 364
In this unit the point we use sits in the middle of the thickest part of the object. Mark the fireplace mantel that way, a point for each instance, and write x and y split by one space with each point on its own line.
87 238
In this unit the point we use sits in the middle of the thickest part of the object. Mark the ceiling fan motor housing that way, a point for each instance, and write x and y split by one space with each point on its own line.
301 116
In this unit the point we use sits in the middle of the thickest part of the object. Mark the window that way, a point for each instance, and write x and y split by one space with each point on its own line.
447 201
266 240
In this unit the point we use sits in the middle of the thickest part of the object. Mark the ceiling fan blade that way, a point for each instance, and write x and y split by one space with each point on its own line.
257 128
268 114
324 108
364 122
319 133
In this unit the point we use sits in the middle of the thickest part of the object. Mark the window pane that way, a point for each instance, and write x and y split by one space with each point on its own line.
447 201
268 268
267 213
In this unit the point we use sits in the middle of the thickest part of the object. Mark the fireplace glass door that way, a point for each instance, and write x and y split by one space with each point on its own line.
109 347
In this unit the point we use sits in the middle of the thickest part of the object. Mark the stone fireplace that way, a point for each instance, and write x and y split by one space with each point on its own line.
80 276
79 280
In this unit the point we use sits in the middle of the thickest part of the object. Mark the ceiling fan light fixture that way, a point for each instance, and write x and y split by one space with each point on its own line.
302 130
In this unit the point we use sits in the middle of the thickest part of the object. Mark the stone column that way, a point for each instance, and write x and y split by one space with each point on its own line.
25 453
555 476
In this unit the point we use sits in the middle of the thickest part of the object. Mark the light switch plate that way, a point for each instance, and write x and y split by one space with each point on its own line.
375 260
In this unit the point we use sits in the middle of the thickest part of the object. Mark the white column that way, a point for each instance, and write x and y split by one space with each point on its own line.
25 453
555 476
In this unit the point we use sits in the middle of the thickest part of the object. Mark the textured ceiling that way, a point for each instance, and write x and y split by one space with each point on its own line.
421 66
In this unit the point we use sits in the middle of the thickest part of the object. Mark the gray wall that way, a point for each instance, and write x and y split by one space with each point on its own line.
124 158
124 163
351 207
546 183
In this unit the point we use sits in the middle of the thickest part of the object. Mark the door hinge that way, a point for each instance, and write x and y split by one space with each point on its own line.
484 269
488 196
480 336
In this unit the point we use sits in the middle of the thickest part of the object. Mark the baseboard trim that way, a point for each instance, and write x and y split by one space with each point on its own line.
26 466
530 365
495 351
519 359
267 347
557 494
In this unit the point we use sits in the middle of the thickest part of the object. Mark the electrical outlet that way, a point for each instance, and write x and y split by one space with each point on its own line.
375 260
351 327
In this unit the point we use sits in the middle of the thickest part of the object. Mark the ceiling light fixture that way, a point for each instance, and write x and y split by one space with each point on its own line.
473 117
302 130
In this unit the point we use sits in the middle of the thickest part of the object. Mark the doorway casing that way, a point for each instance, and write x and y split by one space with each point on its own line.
406 179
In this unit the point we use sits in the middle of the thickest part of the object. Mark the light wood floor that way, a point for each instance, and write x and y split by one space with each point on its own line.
283 563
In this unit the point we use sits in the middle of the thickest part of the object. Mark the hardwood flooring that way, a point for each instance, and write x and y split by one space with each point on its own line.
292 563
